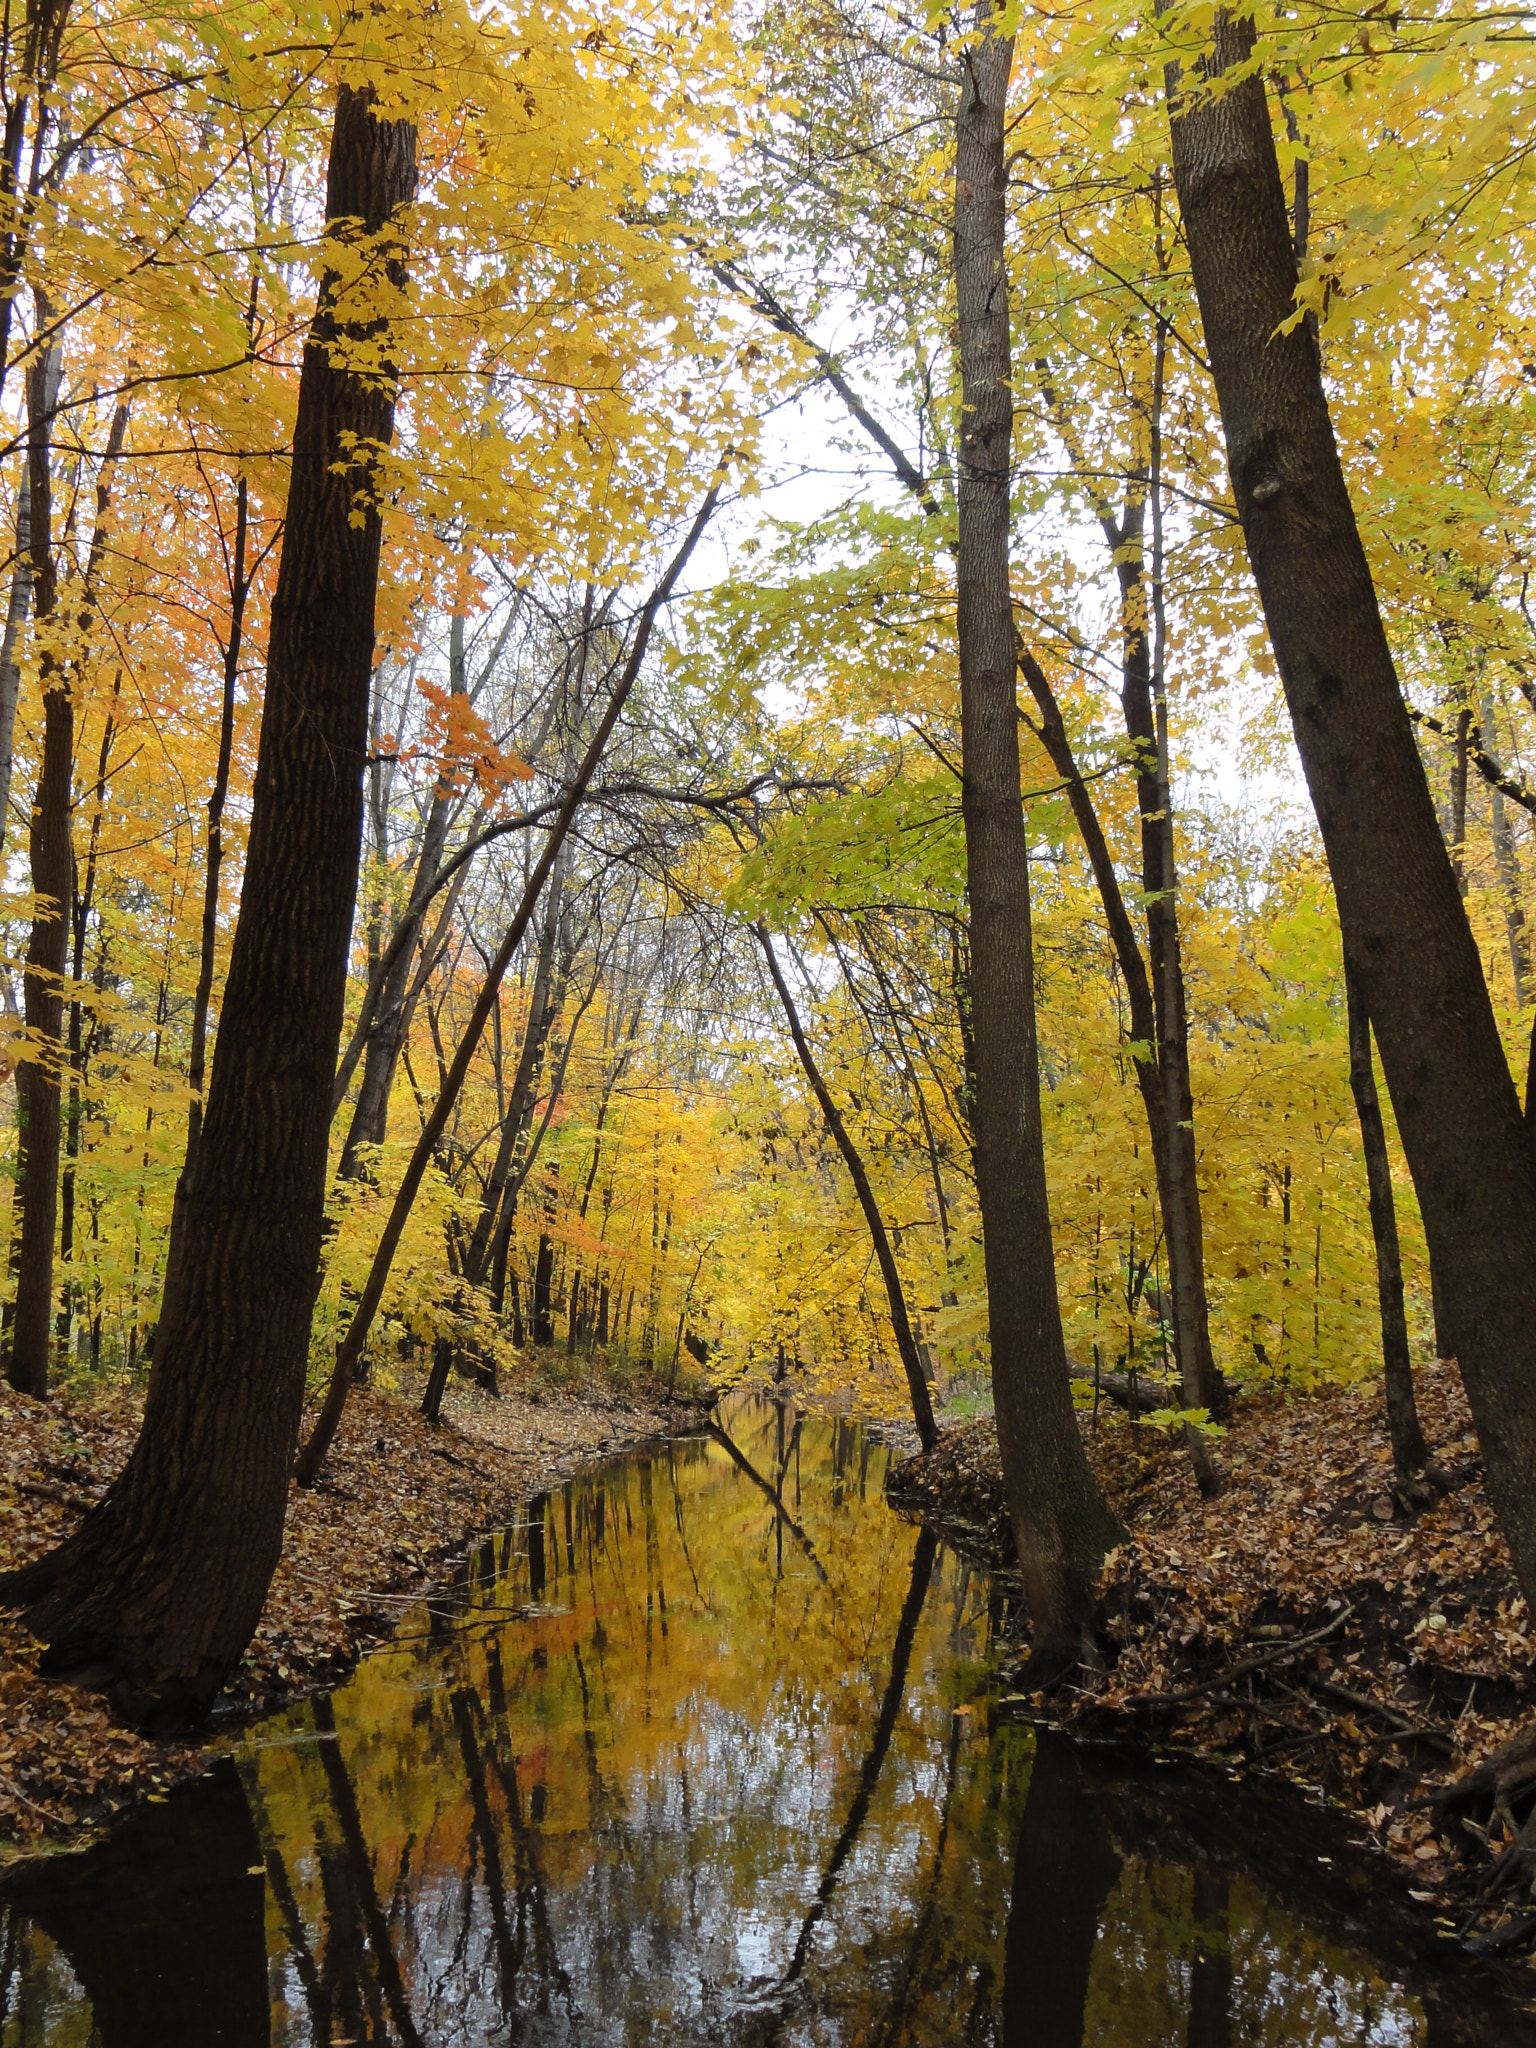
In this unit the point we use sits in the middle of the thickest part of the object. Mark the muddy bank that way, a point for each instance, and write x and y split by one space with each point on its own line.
1303 1623
397 1499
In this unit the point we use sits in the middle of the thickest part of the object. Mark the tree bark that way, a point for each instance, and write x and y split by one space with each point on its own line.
160 1590
1410 1454
885 1258
53 880
1062 1524
1405 927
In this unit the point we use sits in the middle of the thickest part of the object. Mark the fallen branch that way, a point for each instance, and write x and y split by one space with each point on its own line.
1123 1388
1422 1730
1240 1670
9 1785
82 1503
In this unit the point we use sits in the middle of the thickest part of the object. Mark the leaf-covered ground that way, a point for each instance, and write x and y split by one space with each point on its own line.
1302 1622
396 1498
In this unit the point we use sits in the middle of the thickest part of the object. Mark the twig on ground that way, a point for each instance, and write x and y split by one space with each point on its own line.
1239 1670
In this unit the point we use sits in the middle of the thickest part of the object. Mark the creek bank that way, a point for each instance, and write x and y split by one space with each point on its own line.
397 1500
1302 1623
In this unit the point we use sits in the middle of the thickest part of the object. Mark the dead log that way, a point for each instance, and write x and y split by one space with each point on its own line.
1148 1394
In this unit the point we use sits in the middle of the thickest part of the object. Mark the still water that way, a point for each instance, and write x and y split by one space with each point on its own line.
705 1750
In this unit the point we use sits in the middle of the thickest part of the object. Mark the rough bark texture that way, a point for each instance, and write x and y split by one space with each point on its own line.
53 881
885 1258
1405 927
1410 1453
1061 1522
158 1594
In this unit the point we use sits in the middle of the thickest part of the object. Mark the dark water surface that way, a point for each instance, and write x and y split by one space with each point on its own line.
705 1751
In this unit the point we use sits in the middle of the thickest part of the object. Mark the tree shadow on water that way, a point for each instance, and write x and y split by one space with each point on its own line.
163 1924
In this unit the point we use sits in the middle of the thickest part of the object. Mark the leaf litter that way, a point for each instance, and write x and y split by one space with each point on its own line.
1305 1622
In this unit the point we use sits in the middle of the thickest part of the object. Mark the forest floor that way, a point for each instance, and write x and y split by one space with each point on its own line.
396 1499
1303 1622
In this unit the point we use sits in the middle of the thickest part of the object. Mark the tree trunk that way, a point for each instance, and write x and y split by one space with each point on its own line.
1405 927
1062 1524
543 1272
83 897
160 1590
53 881
239 589
1162 1070
885 1258
370 1114
1508 863
1410 1454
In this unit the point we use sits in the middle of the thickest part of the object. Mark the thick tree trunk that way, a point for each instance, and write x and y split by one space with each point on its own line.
885 1258
1062 1524
1405 927
1410 1454
159 1592
53 881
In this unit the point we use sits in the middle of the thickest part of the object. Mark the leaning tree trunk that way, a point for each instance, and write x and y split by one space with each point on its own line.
1061 1522
885 1258
160 1590
1405 926
53 881
1410 1454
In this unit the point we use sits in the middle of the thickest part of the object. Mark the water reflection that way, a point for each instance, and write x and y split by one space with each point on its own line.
700 1751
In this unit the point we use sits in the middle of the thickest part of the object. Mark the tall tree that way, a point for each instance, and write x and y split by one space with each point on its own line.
160 1590
1061 1522
51 847
1404 922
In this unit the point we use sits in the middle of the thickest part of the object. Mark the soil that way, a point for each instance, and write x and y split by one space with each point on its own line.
397 1499
1306 1622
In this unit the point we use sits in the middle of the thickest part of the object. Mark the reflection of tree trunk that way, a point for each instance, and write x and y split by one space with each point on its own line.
537 1510
164 1924
348 1819
915 1957
924 1552
757 1479
1062 1874
315 1997
508 1958
1210 1977
525 1841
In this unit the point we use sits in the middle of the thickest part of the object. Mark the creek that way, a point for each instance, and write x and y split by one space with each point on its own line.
708 1748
